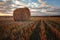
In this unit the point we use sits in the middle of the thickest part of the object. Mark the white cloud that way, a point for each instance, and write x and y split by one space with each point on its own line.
56 10
40 1
1 14
44 8
43 4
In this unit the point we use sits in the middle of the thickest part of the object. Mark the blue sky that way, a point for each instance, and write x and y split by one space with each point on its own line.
49 2
53 2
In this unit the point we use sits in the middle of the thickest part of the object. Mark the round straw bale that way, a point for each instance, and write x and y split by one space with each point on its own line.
21 14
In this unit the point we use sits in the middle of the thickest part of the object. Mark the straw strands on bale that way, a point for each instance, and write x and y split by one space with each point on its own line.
21 14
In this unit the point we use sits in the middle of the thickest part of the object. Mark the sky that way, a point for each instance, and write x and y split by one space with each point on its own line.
42 7
53 2
49 2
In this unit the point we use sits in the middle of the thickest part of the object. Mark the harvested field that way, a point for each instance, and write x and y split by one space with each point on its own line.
37 28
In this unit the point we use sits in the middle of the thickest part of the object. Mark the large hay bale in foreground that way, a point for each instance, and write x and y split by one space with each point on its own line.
21 14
